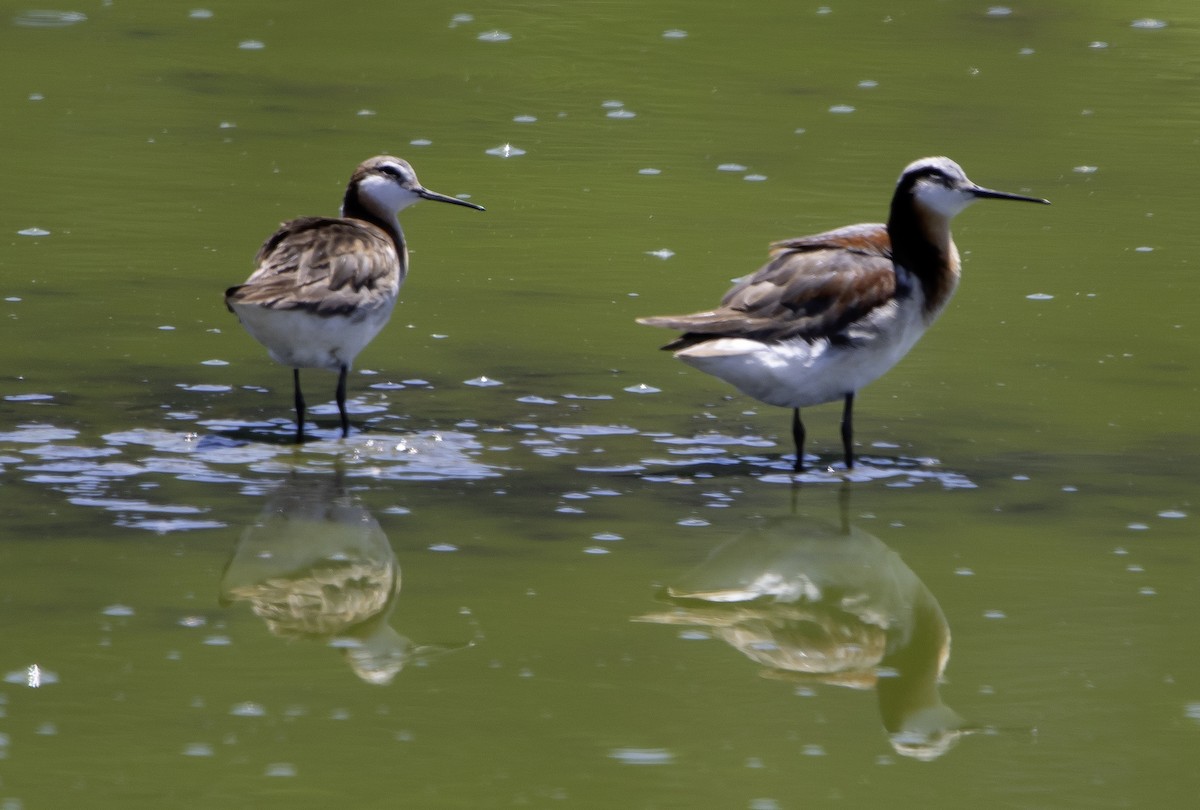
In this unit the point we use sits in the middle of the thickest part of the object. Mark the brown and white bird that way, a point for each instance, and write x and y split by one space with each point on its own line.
832 312
323 287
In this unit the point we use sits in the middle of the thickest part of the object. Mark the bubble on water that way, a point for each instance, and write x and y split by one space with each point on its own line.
505 150
692 522
661 253
214 362
649 171
731 167
49 19
674 33
612 469
205 388
1172 514
524 119
161 526
868 84
1040 297
994 614
595 550
1086 169
420 142
482 382
755 178
248 709
280 769
198 750
842 109
1098 45
642 388
494 36
251 45
118 610
999 11
569 431
642 756
443 547
461 19
28 397
200 14
1148 23
33 232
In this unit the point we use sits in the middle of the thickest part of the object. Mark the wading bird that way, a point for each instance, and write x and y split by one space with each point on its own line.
323 287
832 312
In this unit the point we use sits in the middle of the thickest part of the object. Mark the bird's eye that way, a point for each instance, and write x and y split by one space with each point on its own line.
396 171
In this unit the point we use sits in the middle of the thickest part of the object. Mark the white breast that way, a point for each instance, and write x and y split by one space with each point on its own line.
798 373
300 339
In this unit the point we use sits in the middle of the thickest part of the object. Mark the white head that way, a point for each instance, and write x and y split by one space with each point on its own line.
938 186
386 185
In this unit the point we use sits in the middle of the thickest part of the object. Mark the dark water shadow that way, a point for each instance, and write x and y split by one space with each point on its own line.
822 604
316 565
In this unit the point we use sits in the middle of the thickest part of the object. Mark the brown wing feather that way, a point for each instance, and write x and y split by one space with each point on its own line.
811 287
323 265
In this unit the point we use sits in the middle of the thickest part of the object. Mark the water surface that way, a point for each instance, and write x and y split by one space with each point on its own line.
552 566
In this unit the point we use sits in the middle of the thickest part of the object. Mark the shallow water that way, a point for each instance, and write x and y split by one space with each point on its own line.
552 566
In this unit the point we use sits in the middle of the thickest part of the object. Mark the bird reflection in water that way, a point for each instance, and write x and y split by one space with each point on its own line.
316 565
811 602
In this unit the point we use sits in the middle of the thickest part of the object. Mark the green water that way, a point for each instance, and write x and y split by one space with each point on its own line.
495 596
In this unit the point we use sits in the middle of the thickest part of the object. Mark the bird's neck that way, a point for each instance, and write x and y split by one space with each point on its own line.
922 245
354 206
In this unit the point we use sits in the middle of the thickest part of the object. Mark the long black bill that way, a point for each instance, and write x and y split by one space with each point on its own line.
989 194
426 194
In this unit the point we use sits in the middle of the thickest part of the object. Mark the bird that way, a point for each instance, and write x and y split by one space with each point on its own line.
828 314
323 287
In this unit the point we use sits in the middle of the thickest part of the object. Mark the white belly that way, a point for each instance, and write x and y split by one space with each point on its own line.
300 339
797 373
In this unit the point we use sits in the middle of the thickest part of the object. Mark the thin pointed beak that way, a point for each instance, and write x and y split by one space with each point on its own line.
989 194
426 194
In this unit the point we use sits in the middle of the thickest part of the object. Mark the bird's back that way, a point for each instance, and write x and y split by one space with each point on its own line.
325 266
811 287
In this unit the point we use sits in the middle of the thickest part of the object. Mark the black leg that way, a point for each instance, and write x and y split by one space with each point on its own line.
341 401
798 438
299 406
848 430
